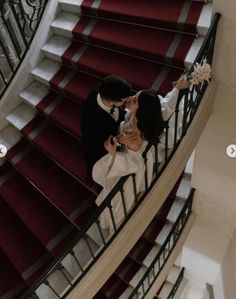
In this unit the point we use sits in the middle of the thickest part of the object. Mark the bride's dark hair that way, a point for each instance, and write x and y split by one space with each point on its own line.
149 116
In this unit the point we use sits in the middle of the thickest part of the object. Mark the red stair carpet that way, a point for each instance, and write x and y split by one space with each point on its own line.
45 194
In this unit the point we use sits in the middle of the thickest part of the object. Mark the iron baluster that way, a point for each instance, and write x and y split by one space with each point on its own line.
77 261
51 288
123 202
61 268
134 187
166 139
112 217
100 231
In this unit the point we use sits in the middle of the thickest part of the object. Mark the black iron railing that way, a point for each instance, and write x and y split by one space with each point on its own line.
164 252
176 285
175 130
19 20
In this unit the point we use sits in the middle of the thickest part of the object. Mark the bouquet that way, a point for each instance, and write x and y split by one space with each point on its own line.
201 73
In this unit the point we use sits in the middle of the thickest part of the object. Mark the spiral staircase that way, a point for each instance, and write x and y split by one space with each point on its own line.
47 198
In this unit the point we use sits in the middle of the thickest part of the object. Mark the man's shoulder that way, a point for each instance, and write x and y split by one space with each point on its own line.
91 98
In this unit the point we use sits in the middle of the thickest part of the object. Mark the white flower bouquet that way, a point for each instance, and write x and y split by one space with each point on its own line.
201 73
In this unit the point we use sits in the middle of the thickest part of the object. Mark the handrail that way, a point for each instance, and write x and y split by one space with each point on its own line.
177 284
19 21
191 99
164 252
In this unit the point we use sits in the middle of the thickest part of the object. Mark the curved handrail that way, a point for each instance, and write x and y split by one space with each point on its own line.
191 99
19 21
164 252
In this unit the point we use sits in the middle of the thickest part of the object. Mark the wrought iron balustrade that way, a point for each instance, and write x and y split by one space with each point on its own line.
176 285
175 130
164 252
19 20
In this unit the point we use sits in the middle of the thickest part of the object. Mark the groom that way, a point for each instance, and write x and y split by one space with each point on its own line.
102 116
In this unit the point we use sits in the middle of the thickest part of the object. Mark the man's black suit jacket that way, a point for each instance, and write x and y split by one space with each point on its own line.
97 125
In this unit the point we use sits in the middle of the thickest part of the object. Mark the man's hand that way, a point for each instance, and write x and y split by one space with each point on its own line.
183 83
110 146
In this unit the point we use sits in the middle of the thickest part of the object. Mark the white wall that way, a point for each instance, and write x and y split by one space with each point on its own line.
214 173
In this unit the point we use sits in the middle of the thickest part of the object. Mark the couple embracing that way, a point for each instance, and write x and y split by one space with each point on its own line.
115 138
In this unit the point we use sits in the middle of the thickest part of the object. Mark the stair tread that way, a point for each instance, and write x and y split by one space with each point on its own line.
141 249
46 70
57 45
9 136
114 287
174 46
185 186
205 18
58 109
126 293
37 168
165 291
102 62
66 21
154 228
34 93
58 48
21 116
153 14
164 233
136 279
48 225
65 113
71 5
173 274
151 255
10 278
127 269
60 146
75 84
175 209
14 234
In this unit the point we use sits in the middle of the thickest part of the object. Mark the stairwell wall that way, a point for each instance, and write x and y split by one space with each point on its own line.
214 173
23 78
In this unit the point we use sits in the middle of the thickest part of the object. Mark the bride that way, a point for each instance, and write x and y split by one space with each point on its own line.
145 116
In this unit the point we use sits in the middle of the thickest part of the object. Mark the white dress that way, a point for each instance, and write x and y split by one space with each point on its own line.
108 170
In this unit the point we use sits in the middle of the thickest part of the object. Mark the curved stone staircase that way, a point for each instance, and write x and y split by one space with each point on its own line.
46 196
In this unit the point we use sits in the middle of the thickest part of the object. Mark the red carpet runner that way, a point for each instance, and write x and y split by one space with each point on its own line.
45 194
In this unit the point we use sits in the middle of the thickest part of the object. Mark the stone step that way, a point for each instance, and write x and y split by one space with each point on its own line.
136 279
72 6
184 187
34 93
173 274
64 24
126 293
165 291
175 209
151 255
204 21
57 45
164 233
21 116
46 70
9 136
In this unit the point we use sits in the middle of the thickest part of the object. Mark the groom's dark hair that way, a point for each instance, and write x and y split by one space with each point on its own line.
114 88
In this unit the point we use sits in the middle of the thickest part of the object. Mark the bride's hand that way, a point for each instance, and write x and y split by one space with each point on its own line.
111 146
127 137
